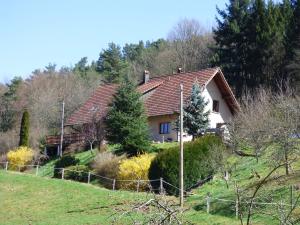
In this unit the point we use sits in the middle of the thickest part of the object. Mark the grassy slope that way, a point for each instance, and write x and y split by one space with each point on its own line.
26 199
221 212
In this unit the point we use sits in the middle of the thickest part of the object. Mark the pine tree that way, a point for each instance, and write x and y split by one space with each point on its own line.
24 130
112 64
231 40
293 47
126 121
195 119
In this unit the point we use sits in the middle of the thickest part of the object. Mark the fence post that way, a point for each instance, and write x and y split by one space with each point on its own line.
237 208
89 177
114 184
208 198
6 166
138 186
161 185
62 173
37 170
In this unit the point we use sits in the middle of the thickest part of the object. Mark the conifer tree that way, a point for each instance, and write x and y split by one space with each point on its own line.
195 118
112 64
126 121
24 130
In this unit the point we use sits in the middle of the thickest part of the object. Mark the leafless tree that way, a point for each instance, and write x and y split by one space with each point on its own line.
94 131
192 43
267 125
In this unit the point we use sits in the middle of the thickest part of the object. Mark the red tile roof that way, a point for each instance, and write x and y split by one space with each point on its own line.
164 98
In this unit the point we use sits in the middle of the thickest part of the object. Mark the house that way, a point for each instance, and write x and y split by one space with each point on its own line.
161 99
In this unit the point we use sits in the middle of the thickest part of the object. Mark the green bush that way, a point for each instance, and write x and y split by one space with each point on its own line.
64 162
77 173
200 161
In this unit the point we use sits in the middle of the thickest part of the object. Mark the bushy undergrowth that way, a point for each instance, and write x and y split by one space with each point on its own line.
200 161
77 173
135 168
64 162
106 164
20 157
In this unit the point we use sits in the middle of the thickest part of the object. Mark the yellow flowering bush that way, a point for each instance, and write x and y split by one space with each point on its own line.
135 168
20 156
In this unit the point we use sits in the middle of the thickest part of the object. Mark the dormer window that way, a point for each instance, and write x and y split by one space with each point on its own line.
215 106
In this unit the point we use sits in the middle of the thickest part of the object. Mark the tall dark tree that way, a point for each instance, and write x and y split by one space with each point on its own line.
24 130
7 111
231 39
112 64
250 38
293 47
195 117
126 120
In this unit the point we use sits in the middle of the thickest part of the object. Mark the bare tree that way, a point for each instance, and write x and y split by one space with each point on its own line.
192 43
267 126
94 131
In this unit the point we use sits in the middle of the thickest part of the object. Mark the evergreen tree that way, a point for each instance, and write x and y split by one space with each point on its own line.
24 130
293 47
231 39
7 111
111 64
126 121
195 119
250 38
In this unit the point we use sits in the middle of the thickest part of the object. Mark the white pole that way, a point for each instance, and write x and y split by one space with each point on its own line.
6 166
181 146
114 184
37 170
62 173
62 128
89 177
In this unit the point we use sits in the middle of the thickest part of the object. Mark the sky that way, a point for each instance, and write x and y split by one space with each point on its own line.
34 33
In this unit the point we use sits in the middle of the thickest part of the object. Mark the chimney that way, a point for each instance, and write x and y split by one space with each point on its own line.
179 70
146 76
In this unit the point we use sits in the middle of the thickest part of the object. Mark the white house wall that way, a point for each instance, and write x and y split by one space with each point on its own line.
212 92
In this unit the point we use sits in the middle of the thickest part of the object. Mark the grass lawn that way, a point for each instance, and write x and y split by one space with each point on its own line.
27 199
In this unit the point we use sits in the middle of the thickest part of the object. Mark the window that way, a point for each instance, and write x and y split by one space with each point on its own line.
164 128
215 106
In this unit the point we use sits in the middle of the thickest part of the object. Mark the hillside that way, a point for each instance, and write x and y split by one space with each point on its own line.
27 199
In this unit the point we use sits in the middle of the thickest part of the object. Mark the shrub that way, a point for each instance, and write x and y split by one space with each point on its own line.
200 161
106 164
135 168
64 162
24 130
77 173
20 156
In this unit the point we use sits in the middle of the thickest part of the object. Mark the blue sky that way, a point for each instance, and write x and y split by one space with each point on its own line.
34 33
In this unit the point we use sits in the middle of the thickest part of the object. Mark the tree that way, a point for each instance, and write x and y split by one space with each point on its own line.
24 130
126 121
112 64
195 118
192 43
7 109
267 126
232 47
250 43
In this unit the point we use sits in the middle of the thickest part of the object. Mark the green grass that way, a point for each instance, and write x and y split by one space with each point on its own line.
27 199
85 158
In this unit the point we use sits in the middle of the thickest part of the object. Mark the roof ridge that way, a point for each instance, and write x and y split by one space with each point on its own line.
182 73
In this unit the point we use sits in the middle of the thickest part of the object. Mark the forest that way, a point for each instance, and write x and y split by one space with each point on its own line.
255 43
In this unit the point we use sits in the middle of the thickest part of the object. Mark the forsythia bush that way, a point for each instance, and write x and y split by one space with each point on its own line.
135 168
20 156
